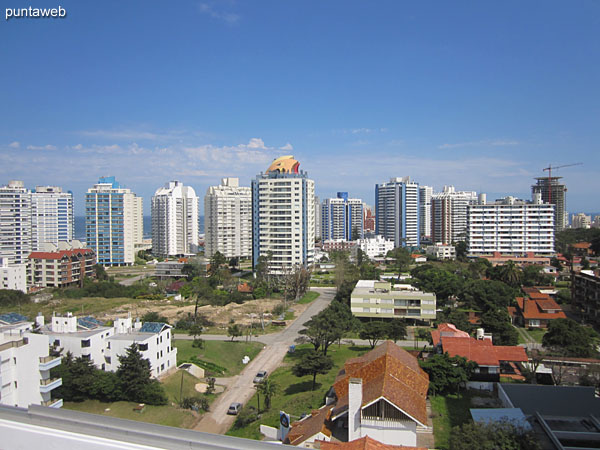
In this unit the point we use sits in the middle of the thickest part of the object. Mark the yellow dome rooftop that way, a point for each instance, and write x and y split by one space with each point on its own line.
284 164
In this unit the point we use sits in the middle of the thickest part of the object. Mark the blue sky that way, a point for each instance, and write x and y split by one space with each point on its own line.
481 95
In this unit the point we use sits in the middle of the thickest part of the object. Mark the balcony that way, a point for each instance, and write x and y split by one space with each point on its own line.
54 403
49 362
49 384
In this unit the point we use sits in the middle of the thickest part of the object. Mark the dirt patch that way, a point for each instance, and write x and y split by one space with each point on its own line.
243 314
487 402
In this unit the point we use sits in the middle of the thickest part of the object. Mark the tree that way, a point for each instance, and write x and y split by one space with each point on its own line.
510 273
487 294
326 327
234 331
461 250
153 316
313 363
443 283
447 374
267 388
13 297
395 330
100 273
402 258
135 381
567 337
503 435
459 319
497 322
195 331
373 332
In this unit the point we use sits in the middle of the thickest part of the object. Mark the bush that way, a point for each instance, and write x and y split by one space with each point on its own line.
11 297
245 417
195 403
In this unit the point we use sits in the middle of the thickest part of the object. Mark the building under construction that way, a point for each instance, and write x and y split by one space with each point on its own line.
556 193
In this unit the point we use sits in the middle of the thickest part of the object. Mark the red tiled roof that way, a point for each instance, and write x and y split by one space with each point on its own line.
387 371
310 426
245 288
582 245
59 254
364 443
446 329
537 309
483 352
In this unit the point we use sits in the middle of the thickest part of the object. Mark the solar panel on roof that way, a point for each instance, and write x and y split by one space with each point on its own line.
152 327
13 318
89 323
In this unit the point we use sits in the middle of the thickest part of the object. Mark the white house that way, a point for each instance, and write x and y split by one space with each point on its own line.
25 364
376 246
13 276
87 337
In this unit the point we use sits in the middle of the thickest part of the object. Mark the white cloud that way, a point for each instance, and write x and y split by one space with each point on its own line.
208 9
287 147
41 147
14 144
482 143
256 143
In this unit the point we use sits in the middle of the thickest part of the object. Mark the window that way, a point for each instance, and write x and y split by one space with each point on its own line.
366 309
142 347
57 342
85 343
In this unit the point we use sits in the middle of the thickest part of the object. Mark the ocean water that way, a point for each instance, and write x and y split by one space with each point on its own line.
80 227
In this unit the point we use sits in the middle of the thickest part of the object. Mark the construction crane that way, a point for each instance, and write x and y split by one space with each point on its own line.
549 169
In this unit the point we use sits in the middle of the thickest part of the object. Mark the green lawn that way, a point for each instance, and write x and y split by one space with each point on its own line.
449 411
226 354
308 297
169 415
294 395
537 334
80 306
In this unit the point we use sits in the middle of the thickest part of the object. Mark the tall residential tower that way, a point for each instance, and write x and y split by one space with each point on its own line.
552 191
283 216
174 220
113 222
397 211
51 216
15 222
228 220
342 218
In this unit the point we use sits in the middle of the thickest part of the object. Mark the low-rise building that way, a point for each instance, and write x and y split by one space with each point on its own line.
586 294
529 258
169 269
88 338
377 246
537 311
381 299
381 394
60 266
441 251
25 364
13 276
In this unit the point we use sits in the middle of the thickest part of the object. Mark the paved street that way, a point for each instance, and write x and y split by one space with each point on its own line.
241 388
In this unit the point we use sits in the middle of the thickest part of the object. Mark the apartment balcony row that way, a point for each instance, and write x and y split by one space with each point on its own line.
49 384
49 362
53 403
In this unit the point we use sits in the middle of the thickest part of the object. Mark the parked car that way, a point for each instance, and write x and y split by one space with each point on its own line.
234 408
260 376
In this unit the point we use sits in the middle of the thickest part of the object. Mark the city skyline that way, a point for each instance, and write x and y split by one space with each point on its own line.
479 96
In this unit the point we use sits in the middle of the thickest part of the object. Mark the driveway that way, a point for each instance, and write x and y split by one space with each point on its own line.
241 388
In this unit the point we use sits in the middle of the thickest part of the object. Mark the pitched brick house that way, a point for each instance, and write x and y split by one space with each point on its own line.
536 311
381 394
365 443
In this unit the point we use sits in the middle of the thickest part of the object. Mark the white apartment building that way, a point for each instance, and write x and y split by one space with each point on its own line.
174 220
425 193
441 251
283 216
25 364
511 227
228 220
377 246
51 216
87 337
341 217
113 222
581 220
13 276
449 214
15 222
318 232
397 211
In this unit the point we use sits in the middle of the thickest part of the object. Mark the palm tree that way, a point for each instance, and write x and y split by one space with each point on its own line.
511 274
268 389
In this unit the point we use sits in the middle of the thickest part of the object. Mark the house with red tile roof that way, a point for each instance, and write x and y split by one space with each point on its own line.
537 311
365 443
381 394
493 360
446 330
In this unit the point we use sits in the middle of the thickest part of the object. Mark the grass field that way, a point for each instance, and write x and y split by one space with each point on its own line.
449 411
80 306
294 395
308 297
224 353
